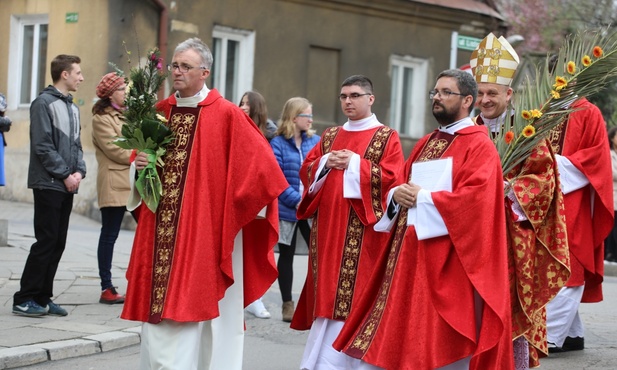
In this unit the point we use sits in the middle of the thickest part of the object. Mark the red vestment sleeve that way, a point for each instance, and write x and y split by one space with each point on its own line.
586 146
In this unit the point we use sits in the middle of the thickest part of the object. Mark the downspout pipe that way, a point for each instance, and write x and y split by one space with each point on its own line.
162 42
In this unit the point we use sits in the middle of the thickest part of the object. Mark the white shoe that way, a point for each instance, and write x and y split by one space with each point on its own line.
258 309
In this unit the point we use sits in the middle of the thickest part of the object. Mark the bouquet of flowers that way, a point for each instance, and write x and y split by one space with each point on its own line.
585 64
144 128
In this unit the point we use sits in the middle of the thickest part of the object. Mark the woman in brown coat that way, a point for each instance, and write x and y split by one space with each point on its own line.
112 183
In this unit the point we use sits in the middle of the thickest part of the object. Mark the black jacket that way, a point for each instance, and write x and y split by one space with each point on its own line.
55 144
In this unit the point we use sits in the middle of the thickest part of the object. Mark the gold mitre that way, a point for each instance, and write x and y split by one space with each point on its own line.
494 60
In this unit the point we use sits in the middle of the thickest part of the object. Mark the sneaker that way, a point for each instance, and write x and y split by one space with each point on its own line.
258 309
55 310
29 308
111 296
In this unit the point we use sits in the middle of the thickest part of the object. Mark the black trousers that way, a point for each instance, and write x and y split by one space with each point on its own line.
52 211
286 259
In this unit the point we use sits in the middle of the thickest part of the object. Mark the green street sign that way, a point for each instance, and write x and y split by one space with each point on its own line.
72 17
467 43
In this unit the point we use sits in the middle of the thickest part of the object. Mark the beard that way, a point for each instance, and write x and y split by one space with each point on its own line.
444 116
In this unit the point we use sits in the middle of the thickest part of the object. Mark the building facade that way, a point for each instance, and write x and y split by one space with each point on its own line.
281 48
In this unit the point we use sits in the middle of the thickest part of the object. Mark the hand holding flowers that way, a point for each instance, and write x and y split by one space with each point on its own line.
145 129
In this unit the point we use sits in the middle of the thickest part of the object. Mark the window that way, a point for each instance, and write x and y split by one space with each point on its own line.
408 95
232 70
28 55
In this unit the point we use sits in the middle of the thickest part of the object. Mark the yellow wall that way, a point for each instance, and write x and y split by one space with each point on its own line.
85 38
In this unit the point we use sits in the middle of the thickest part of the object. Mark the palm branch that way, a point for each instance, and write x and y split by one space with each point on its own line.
585 65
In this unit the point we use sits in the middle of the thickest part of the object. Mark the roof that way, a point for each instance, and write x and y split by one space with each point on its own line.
473 6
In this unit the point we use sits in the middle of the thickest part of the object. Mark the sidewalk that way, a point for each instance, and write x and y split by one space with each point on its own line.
90 327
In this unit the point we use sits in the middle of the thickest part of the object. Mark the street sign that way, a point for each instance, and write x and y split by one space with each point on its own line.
71 17
467 42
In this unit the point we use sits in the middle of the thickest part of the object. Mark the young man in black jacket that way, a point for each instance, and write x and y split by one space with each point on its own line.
56 169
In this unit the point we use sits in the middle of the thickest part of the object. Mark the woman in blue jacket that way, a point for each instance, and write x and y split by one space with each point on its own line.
291 143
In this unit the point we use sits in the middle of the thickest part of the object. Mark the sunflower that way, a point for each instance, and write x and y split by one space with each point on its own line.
597 52
526 115
535 113
555 94
586 60
560 83
528 131
571 67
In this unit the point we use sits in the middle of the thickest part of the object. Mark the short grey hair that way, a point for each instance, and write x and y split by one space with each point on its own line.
200 47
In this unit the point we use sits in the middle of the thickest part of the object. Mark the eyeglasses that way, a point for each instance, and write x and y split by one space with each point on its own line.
183 68
305 115
352 96
444 94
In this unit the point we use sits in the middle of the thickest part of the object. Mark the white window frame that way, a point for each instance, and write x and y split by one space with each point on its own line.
246 60
414 127
16 51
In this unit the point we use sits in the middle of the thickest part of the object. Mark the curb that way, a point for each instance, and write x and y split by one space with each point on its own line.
42 352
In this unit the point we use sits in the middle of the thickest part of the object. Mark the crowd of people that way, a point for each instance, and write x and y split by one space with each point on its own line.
440 261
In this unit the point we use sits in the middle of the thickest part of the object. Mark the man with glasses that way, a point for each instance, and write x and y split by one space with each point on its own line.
538 261
439 298
207 251
345 179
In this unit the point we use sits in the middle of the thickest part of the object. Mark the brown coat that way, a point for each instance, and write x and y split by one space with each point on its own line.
112 182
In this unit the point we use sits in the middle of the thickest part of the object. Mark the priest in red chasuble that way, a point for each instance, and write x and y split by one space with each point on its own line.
206 252
584 164
346 177
439 296
538 257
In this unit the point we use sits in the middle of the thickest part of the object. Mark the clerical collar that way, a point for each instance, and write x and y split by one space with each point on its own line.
193 100
458 125
362 124
494 124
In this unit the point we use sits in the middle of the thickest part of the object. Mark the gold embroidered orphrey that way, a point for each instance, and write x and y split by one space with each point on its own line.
355 229
183 124
434 148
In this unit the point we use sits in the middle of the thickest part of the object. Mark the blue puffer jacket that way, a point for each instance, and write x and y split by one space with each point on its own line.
290 159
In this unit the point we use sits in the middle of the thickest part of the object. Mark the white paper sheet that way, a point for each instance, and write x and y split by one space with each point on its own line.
432 176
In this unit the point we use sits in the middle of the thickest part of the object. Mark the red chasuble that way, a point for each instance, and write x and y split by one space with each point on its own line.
418 309
219 173
589 210
343 246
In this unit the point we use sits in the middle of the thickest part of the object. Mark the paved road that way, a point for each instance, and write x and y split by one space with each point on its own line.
270 344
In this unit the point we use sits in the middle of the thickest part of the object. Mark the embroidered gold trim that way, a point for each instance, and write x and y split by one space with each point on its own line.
168 214
355 229
367 332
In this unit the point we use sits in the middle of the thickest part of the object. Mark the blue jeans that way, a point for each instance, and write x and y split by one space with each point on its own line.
111 223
